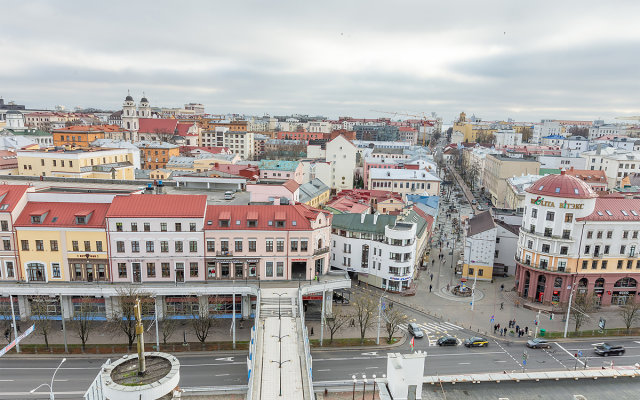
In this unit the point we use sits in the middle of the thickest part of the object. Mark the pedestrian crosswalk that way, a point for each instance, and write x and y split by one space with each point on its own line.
435 330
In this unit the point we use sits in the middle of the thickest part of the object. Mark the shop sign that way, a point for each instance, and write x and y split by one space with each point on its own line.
84 255
540 201
399 279
571 206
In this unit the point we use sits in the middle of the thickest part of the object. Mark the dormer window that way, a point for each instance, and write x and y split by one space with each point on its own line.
81 220
252 223
35 219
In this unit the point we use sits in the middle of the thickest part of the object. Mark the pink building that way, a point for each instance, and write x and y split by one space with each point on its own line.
281 170
267 242
385 163
156 238
269 192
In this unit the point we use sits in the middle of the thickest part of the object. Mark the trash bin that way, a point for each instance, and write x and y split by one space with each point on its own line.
543 332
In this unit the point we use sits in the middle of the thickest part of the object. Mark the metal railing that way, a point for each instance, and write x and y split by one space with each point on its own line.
253 348
307 348
95 390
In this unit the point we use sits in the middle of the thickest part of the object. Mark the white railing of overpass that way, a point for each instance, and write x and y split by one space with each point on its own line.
307 349
251 362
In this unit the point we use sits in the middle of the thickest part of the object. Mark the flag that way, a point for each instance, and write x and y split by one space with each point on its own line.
412 343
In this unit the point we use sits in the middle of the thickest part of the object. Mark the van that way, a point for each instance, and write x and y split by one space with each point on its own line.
228 195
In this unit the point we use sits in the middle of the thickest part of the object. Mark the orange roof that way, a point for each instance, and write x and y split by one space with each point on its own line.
587 175
614 209
158 206
291 185
10 195
63 214
296 217
562 185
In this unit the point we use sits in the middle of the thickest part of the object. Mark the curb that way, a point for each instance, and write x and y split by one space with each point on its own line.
400 342
117 355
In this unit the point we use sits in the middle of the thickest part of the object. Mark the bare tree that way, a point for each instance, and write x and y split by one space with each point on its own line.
204 317
583 304
393 318
83 322
124 318
167 327
630 312
527 134
365 305
40 315
579 131
335 322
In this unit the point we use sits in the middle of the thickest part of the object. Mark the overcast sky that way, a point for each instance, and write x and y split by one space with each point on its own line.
526 60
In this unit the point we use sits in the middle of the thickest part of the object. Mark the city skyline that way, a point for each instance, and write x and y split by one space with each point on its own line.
495 60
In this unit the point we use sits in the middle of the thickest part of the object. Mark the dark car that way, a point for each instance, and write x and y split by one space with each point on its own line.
447 341
476 342
606 349
415 330
538 343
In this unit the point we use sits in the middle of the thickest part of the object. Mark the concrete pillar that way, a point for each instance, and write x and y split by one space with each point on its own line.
246 306
328 299
160 308
23 306
112 306
68 307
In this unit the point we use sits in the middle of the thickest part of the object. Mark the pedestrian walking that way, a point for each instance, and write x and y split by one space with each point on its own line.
431 276
430 287
517 328
495 328
502 287
502 306
526 330
498 326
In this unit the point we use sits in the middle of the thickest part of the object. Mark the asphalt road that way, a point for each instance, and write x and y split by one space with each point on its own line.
20 375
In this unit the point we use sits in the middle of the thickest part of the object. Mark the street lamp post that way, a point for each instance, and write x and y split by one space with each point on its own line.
364 385
374 387
473 288
15 327
353 392
50 385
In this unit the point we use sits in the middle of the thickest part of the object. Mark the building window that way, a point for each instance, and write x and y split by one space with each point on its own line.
165 270
151 270
150 246
606 249
550 215
566 234
604 264
252 245
193 270
75 246
609 234
147 227
193 246
269 245
564 250
594 264
134 227
534 213
269 269
622 249
279 245
294 244
135 247
120 247
568 217
178 246
6 243
178 227
280 269
629 264
238 244
585 264
163 226
98 245
122 270
87 245
589 234
192 226
119 226
304 244
39 245
211 245
587 249
55 270
545 248
599 235
4 225
548 232
625 234
596 251
529 244
532 229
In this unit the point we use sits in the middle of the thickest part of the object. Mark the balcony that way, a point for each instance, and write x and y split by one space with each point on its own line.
543 267
224 253
544 237
320 251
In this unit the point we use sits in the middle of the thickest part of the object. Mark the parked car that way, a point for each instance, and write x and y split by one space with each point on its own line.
476 341
447 341
474 201
606 349
415 330
538 343
229 195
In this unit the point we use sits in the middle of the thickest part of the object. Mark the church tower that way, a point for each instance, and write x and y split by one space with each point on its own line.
129 114
145 109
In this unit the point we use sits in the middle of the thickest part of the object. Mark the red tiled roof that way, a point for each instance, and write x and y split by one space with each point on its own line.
158 206
587 175
291 185
63 214
183 129
10 195
562 185
299 213
157 125
614 209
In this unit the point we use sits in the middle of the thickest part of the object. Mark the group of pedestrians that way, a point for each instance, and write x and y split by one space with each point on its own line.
517 329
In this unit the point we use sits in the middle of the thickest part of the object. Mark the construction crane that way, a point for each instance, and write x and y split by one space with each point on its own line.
425 121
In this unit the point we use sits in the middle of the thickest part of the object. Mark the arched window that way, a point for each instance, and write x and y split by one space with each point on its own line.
599 283
584 282
625 283
320 243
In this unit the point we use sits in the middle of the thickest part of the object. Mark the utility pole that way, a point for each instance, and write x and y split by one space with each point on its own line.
473 289
15 327
322 319
537 323
566 323
233 317
156 316
64 328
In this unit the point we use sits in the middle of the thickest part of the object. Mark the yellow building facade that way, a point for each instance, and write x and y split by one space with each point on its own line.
93 163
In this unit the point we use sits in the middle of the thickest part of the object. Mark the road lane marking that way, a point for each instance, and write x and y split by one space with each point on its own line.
7 380
323 370
464 363
224 359
371 368
552 356
509 354
567 351
222 375
501 361
430 355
